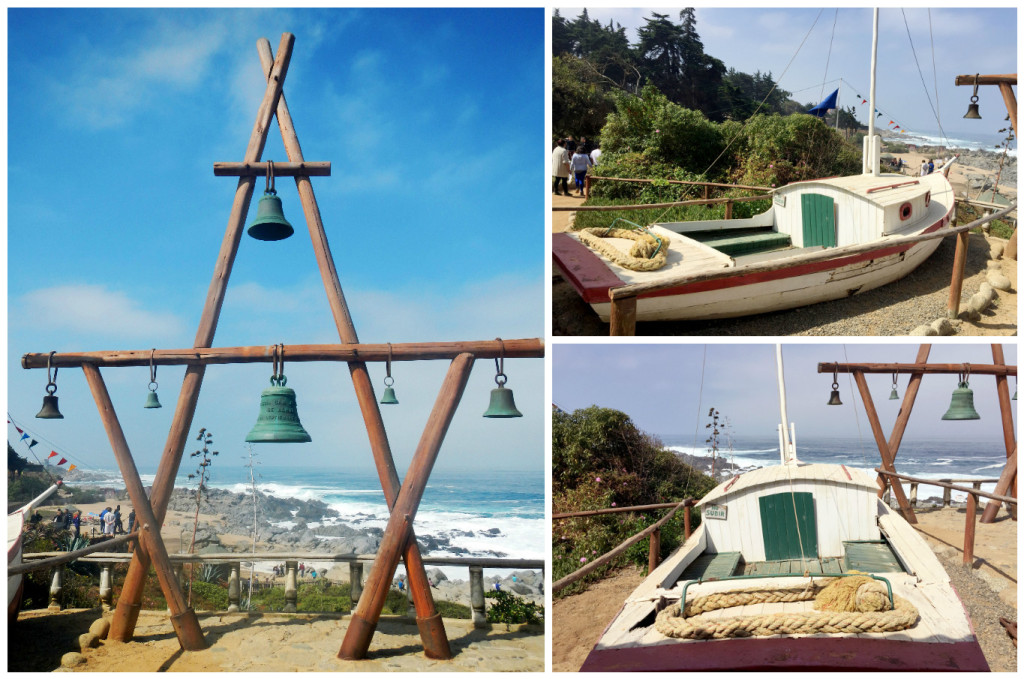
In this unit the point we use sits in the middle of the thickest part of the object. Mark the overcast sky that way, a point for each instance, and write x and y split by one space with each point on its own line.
434 212
660 387
976 40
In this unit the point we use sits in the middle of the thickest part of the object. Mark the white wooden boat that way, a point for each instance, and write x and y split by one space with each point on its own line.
840 215
15 525
781 528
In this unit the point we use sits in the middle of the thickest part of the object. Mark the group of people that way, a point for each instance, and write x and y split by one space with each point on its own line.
572 159
110 520
927 167
67 520
303 571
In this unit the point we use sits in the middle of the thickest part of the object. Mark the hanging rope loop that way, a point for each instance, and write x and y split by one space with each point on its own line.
51 380
152 371
500 379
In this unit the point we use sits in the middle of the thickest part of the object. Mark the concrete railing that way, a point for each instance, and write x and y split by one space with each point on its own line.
291 561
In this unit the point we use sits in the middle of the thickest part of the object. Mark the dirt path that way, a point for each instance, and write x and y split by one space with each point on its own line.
578 621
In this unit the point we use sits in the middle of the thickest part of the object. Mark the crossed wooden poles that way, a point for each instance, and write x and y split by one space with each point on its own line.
888 448
399 540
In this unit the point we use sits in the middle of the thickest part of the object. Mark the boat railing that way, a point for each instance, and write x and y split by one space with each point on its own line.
291 575
972 503
653 532
624 298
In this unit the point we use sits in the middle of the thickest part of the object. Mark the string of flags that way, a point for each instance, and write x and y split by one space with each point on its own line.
33 442
878 114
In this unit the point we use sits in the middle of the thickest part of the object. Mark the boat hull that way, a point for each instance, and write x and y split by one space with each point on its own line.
788 653
15 583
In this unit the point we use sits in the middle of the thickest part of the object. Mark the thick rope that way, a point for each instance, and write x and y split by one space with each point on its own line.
639 257
866 596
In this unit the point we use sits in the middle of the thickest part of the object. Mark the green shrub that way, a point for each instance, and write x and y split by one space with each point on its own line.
25 488
512 610
208 596
450 609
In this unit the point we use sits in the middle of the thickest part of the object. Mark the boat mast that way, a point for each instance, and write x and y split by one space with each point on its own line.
871 145
786 448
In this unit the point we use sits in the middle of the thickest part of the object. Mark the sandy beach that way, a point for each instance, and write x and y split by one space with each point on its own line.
988 589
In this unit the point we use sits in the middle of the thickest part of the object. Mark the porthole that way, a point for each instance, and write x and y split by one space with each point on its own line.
927 198
905 211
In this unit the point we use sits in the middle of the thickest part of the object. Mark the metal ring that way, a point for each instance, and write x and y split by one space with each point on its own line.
153 386
391 383
51 391
500 382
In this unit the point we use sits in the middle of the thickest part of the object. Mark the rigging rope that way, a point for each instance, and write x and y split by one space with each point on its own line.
942 132
700 408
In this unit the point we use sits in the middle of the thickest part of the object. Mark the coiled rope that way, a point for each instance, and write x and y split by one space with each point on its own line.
646 253
862 602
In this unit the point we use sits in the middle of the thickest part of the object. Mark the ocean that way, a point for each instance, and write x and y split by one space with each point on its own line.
467 502
977 141
938 459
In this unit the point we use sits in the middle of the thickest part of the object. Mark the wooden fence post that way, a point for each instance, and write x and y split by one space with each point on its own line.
623 317
972 518
913 494
728 210
959 264
233 590
654 551
291 588
355 578
586 186
947 494
476 595
686 521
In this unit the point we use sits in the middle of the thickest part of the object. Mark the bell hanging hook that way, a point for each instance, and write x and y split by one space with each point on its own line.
270 176
151 399
500 365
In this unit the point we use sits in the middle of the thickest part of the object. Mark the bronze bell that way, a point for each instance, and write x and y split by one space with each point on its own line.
972 111
961 407
278 421
270 223
49 410
833 400
502 403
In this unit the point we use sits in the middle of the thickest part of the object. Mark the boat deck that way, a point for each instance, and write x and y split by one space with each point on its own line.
873 556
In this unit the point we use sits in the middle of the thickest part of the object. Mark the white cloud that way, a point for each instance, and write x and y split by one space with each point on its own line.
93 309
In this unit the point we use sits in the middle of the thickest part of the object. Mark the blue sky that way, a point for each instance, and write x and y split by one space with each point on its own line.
974 40
659 387
433 121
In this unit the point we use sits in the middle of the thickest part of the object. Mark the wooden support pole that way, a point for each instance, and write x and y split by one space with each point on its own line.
297 353
907 406
654 551
1009 435
883 447
728 209
122 624
1010 99
367 613
623 316
957 283
686 522
1005 486
432 633
306 169
969 528
183 618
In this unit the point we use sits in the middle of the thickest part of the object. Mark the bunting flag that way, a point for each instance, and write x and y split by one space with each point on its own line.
863 101
24 436
62 461
20 431
53 453
896 128
33 442
71 467
892 122
878 115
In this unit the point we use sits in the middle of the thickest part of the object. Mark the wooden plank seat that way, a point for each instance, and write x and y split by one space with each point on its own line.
814 566
712 565
870 557
743 241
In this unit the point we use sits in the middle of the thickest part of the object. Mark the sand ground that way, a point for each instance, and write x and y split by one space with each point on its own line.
578 621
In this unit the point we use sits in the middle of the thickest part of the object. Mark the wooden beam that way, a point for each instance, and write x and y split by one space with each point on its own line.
883 447
1007 485
432 633
622 321
956 284
615 510
917 368
1007 78
637 289
294 353
944 484
305 169
378 582
654 206
746 187
183 618
63 557
1006 418
122 624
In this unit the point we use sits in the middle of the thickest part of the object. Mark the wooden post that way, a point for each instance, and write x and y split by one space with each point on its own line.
234 593
106 589
956 284
1006 480
355 578
432 633
586 186
1009 435
122 625
623 317
707 192
728 210
56 588
972 517
906 407
183 618
367 613
686 521
883 446
476 596
654 551
291 587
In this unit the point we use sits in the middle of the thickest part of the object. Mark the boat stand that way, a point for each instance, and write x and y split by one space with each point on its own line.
917 370
399 540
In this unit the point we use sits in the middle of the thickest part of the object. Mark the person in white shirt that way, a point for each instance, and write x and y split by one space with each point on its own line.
595 155
560 167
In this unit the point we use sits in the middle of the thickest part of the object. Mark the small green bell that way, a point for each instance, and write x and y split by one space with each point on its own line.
278 421
961 406
270 223
152 401
502 403
389 397
893 396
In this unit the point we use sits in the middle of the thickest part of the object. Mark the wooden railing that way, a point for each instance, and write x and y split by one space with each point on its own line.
654 531
234 560
972 503
707 200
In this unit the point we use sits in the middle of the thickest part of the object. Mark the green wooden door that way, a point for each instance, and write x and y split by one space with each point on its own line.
779 526
819 218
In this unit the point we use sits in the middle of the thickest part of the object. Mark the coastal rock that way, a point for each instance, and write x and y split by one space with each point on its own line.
88 640
995 251
72 659
436 577
100 628
979 302
923 331
942 326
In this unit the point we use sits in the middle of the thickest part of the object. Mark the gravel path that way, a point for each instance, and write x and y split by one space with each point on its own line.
985 609
894 309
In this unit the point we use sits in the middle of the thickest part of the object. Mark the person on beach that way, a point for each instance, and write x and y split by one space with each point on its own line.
302 570
312 573
118 526
108 523
931 166
131 521
59 519
560 167
67 519
924 167
76 521
578 165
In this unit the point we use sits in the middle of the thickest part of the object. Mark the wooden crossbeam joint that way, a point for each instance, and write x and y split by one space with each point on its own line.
284 169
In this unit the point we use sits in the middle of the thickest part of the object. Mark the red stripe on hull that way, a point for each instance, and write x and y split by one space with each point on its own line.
786 653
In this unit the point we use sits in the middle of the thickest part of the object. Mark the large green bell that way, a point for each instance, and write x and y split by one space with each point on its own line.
962 405
278 421
270 223
502 403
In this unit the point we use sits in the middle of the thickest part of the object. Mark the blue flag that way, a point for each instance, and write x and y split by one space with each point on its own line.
24 436
825 105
